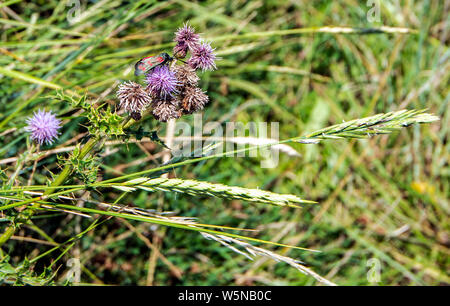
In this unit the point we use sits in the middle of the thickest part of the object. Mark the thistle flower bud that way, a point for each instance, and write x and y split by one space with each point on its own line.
43 127
194 100
133 98
180 50
164 110
136 116
186 75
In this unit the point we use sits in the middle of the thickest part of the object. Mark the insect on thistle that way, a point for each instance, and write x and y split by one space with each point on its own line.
148 63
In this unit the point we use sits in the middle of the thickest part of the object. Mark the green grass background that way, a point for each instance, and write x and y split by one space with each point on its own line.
384 198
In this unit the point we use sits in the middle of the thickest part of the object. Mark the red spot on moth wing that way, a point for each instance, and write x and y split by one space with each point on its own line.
160 59
151 61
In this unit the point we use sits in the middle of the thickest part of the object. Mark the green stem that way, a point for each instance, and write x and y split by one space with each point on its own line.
59 180
7 234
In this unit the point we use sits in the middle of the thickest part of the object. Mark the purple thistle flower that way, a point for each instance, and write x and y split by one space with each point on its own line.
203 57
186 36
162 82
43 127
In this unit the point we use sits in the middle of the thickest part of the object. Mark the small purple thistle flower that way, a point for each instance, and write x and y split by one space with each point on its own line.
43 127
203 57
186 36
162 82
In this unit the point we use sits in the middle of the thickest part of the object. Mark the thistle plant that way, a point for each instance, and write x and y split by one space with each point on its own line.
167 92
173 89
